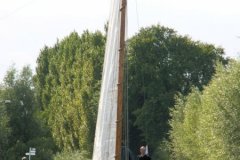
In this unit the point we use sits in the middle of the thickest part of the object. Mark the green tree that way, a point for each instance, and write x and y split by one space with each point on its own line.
67 84
19 116
5 130
20 108
185 142
213 129
162 64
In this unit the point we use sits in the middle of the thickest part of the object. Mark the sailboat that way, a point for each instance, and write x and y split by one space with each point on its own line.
109 127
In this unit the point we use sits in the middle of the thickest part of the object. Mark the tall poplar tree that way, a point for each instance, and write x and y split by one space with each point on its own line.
68 85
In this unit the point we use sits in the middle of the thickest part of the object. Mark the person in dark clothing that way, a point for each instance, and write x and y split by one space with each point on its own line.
143 155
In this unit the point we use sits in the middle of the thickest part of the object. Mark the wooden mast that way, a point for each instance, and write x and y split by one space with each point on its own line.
119 125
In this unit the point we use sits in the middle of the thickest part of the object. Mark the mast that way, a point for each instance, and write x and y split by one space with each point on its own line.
119 125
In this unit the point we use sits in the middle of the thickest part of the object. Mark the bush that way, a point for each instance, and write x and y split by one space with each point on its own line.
72 156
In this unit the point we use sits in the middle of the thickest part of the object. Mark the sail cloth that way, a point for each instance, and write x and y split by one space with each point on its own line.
105 134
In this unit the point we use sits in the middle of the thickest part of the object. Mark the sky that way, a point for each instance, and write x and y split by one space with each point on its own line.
26 26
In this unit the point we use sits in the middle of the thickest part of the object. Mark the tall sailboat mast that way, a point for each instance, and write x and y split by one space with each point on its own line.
109 127
119 125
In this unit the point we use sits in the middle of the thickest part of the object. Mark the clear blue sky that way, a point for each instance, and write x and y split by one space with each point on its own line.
27 25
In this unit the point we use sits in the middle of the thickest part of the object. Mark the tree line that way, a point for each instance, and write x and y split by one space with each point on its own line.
205 123
55 109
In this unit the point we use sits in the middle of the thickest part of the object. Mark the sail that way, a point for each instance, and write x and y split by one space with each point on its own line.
105 134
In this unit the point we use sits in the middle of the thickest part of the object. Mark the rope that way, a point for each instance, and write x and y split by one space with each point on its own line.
126 112
137 13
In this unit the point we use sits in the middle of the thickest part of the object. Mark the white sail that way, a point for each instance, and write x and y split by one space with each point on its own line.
105 135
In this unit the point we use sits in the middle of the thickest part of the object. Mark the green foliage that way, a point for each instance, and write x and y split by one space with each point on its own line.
72 156
20 128
5 130
185 123
163 152
18 91
161 64
16 151
45 147
68 83
209 124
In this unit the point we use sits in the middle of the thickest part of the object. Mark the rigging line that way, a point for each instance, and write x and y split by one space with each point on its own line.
138 23
126 138
16 10
127 106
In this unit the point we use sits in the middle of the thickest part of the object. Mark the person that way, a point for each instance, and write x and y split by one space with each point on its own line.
143 155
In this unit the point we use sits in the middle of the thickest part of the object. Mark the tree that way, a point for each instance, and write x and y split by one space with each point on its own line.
185 143
5 130
19 117
20 109
68 83
215 124
162 64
